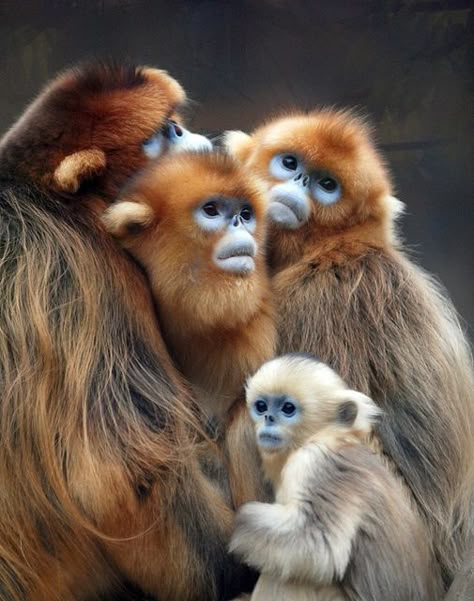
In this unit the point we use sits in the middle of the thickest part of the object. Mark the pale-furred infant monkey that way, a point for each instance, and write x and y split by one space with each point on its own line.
342 527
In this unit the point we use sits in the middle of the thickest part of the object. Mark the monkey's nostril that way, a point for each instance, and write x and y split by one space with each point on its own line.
305 180
298 177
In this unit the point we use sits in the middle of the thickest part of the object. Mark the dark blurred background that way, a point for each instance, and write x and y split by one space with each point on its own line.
405 63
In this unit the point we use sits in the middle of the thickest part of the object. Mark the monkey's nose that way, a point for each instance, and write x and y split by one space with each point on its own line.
270 418
236 221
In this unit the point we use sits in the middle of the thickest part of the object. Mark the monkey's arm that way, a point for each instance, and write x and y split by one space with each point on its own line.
292 541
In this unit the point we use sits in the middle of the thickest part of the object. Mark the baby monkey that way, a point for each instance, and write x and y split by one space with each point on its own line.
342 526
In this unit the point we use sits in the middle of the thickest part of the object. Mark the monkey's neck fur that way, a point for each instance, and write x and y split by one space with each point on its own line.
330 245
219 335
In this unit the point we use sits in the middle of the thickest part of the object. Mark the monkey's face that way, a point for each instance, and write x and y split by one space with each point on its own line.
294 397
321 168
196 223
275 416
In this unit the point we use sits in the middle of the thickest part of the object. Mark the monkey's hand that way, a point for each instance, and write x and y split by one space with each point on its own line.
74 169
283 541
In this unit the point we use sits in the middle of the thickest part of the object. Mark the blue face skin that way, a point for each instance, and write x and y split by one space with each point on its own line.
272 414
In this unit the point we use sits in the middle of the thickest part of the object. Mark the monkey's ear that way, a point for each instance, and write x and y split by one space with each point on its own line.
125 219
357 411
396 206
78 167
238 144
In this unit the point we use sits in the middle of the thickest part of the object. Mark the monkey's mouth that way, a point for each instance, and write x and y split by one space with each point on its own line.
288 210
237 258
284 215
269 441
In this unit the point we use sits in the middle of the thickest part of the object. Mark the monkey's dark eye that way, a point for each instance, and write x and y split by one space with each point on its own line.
290 162
288 409
260 407
328 184
210 209
246 213
325 189
283 166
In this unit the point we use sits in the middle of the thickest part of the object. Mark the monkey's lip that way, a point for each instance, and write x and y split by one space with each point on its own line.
286 214
238 264
237 258
269 440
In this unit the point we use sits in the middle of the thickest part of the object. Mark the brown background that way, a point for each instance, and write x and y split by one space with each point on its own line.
407 64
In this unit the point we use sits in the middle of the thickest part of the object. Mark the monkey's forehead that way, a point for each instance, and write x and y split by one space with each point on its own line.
311 135
295 376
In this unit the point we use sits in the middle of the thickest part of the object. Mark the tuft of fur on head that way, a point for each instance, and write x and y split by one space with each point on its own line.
84 110
324 399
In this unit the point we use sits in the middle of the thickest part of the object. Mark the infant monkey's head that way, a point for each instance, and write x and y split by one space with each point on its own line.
296 397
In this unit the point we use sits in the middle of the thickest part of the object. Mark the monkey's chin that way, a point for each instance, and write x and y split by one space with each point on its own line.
281 215
238 265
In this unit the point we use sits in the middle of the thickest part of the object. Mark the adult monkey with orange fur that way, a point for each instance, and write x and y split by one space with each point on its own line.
100 481
196 223
346 291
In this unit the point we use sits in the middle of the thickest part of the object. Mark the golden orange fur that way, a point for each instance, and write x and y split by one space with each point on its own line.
346 291
99 470
219 326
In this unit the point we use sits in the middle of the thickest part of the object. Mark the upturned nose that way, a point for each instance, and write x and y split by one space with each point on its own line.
301 180
236 221
269 418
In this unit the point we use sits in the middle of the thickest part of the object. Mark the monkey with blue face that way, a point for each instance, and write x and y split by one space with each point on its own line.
343 526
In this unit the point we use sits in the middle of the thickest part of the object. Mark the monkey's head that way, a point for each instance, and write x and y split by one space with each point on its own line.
195 222
295 397
94 126
323 172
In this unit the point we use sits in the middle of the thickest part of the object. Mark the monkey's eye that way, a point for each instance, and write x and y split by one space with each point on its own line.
154 146
284 166
246 213
288 409
210 209
326 190
260 407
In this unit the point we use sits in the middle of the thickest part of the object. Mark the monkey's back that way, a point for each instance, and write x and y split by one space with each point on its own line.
351 492
93 421
390 331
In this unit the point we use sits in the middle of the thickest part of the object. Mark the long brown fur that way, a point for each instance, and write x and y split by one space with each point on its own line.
99 472
346 291
218 326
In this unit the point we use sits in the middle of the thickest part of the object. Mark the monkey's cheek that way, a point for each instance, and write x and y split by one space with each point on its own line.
281 215
239 265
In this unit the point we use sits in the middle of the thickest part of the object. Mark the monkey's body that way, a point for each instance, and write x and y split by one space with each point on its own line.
208 276
387 328
100 480
345 291
342 526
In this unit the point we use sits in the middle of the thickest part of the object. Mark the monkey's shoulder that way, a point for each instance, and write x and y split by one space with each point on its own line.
322 470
